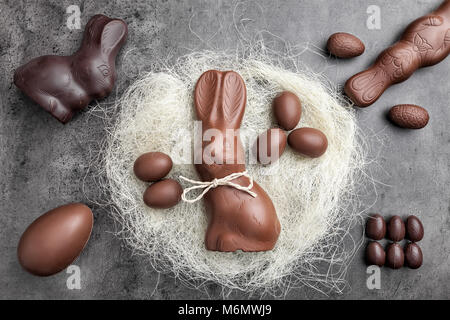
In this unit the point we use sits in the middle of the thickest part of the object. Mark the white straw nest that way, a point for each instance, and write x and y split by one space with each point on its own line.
314 198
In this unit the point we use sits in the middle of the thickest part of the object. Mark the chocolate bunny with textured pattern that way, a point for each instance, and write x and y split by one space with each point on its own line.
64 84
424 43
237 221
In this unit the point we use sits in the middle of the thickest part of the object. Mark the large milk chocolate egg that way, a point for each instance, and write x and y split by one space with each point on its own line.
287 109
163 194
55 239
270 145
152 166
309 142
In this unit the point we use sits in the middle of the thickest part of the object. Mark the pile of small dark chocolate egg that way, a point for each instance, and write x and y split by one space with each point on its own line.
395 256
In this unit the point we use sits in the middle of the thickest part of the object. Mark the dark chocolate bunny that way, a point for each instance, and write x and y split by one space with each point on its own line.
424 43
64 84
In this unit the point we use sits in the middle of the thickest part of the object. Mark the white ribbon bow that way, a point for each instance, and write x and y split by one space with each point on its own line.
225 181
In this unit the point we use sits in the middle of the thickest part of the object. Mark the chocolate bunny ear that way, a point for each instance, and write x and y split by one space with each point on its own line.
205 91
113 36
234 97
220 96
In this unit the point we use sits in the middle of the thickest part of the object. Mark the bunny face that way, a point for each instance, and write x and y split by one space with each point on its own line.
97 76
64 84
94 64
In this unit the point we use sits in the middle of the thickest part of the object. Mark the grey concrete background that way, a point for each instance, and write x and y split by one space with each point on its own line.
43 163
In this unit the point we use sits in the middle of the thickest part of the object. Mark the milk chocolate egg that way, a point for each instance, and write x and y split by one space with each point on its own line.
413 256
345 45
376 227
309 142
152 166
395 258
414 229
396 229
270 145
409 116
163 194
287 109
55 239
375 254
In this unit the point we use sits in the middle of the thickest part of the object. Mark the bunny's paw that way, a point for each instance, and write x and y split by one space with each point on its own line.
59 111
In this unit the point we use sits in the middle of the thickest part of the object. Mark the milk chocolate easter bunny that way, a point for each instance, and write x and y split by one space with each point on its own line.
424 43
237 220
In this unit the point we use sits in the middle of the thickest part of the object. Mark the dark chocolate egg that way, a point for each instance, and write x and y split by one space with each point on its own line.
287 109
163 194
309 142
413 256
55 239
152 166
376 227
271 140
414 229
375 254
395 258
396 229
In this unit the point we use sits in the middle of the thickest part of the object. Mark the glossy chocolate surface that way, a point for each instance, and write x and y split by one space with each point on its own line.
308 142
152 166
163 194
413 256
425 42
395 258
414 229
396 229
375 254
237 221
64 84
55 239
376 227
287 109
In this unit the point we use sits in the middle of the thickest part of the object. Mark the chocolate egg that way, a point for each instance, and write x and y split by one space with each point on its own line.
55 239
345 45
409 116
413 256
376 227
396 229
152 166
163 194
308 142
287 109
395 257
271 140
375 254
414 229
